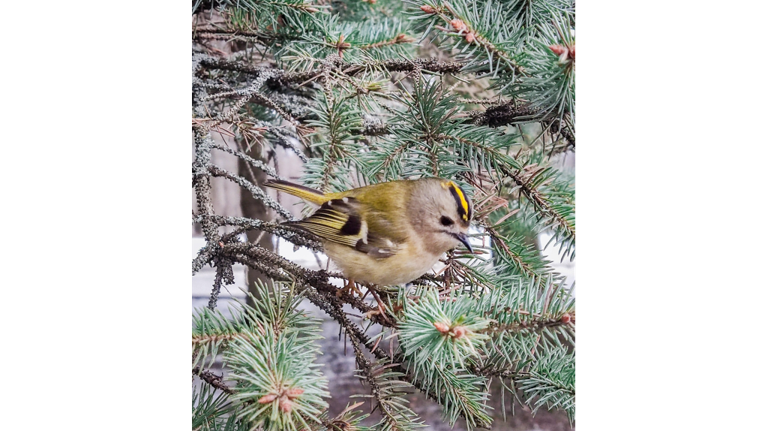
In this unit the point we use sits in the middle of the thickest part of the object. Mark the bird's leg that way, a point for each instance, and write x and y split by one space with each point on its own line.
349 289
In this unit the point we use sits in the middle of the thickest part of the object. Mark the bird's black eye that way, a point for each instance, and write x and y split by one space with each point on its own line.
445 221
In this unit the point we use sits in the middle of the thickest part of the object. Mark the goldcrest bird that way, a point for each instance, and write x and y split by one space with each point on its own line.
387 233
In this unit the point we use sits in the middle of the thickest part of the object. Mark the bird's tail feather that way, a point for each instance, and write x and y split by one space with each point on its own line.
311 195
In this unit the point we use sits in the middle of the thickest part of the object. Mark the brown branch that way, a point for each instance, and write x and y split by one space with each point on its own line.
201 181
249 96
564 129
224 274
278 76
286 231
212 34
485 101
501 115
213 380
285 270
530 325
257 192
204 257
325 296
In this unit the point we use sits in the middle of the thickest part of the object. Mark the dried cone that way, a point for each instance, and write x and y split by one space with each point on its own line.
470 37
428 9
566 318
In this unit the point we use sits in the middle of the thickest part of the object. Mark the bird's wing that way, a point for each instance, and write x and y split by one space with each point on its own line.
342 221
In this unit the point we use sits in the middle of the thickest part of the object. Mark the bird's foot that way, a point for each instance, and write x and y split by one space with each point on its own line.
349 289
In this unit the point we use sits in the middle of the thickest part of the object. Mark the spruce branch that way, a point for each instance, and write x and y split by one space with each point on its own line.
270 350
348 420
212 379
462 395
550 85
388 389
253 162
211 63
527 322
485 101
564 129
394 364
483 30
286 231
336 119
551 382
263 38
441 331
391 65
539 323
211 410
224 274
204 256
257 192
276 308
532 15
282 269
201 182
278 384
249 95
501 115
529 179
379 113
211 335
522 257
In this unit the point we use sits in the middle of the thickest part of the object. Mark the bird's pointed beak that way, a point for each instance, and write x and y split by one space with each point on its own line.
464 240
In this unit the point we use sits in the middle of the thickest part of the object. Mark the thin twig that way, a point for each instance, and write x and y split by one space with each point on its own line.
213 380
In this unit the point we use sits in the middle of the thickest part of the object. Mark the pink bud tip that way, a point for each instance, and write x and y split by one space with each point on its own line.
558 49
442 327
458 25
267 399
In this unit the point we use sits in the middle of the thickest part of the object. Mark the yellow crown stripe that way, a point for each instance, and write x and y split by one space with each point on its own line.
462 199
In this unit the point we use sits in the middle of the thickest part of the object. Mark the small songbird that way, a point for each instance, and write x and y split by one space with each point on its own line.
387 233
